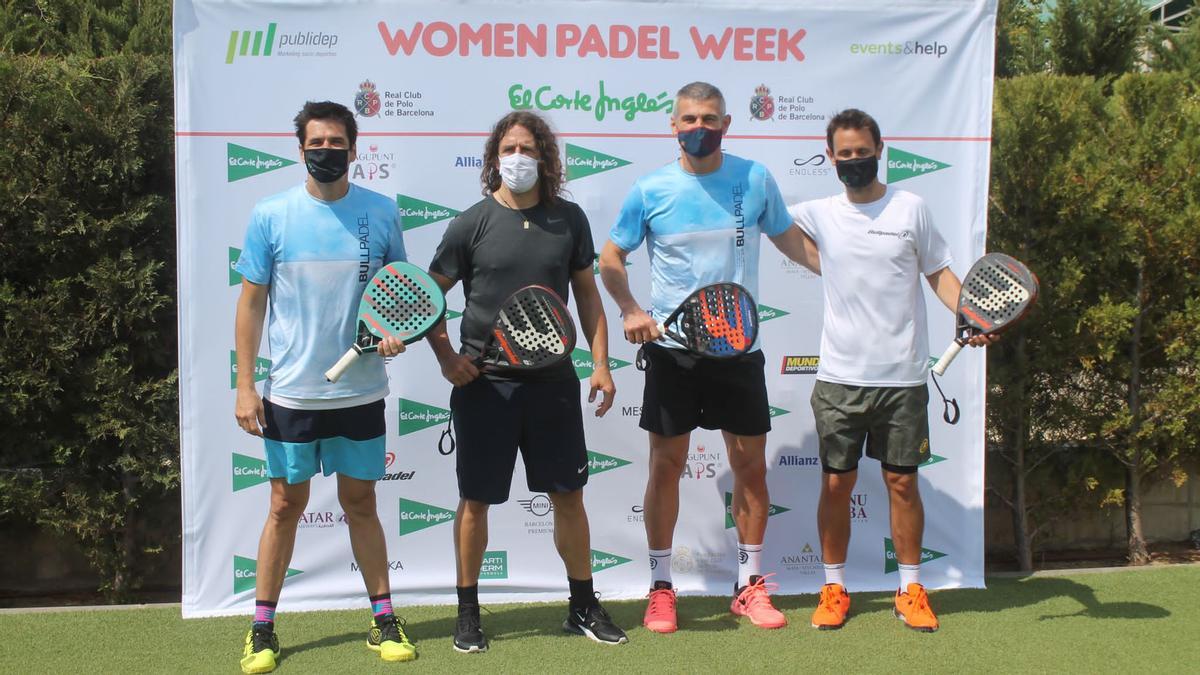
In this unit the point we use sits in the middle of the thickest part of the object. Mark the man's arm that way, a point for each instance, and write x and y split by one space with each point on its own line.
799 247
946 286
639 326
247 337
595 329
456 368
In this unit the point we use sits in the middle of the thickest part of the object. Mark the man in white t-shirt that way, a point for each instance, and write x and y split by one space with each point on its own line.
875 243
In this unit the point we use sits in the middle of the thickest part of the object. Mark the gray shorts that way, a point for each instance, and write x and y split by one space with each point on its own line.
893 422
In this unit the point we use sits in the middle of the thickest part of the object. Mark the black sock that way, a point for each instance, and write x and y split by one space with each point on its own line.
468 595
582 593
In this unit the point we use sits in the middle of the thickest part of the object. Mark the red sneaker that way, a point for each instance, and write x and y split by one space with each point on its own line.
660 612
752 601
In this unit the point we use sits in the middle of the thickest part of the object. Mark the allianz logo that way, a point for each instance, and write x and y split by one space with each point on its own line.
427 516
257 162
425 212
424 416
593 162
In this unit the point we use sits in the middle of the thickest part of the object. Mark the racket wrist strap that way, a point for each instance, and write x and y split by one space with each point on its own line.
949 405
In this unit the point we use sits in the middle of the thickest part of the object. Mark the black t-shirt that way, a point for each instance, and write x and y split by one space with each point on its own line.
490 250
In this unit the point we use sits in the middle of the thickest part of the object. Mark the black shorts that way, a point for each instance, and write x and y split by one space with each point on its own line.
685 391
492 418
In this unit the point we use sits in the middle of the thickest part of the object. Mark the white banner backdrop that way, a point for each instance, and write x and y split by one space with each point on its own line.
427 80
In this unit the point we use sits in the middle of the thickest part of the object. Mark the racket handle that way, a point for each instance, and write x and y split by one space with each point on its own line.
335 373
943 363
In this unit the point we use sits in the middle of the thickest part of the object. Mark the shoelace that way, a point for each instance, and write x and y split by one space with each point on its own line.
829 596
920 602
756 593
660 597
392 628
261 639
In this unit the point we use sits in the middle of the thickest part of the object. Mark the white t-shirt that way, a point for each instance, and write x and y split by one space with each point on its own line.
873 258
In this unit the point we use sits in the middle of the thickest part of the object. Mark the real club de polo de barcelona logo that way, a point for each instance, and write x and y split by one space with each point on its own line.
762 104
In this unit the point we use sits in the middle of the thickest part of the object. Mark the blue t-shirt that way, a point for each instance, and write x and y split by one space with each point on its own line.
317 258
700 229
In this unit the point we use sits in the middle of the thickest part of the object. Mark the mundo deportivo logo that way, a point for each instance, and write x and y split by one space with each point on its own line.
766 313
890 564
248 472
902 165
598 463
262 368
243 162
602 561
584 162
246 569
774 510
495 565
584 364
415 416
416 213
235 277
416 516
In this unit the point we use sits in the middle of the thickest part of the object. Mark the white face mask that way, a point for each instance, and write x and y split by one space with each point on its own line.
519 172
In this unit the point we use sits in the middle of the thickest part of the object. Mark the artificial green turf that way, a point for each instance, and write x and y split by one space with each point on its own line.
1133 621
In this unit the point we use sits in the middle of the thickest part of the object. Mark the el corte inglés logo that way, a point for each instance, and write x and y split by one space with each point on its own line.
416 213
248 472
902 165
584 162
416 516
890 564
598 463
262 368
773 510
245 162
602 561
582 359
415 416
245 570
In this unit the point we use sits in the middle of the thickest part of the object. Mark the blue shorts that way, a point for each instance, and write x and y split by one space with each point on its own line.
348 441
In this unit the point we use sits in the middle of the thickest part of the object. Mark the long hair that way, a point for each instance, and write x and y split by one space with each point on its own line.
550 172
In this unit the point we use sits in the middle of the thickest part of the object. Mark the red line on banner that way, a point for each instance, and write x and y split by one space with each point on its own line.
577 134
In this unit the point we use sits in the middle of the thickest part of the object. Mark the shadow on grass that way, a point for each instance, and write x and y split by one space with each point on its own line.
327 641
1007 594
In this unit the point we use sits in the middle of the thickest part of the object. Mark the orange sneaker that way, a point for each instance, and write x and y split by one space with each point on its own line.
660 612
912 607
752 601
832 609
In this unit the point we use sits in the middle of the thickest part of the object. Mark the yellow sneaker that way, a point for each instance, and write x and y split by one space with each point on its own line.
912 607
832 609
388 639
261 650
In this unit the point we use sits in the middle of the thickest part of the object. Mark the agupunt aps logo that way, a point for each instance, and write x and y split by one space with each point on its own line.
250 43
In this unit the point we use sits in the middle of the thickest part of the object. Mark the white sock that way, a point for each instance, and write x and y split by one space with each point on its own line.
749 562
835 574
660 566
909 574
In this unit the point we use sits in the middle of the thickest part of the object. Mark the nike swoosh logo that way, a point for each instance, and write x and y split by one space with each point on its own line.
582 469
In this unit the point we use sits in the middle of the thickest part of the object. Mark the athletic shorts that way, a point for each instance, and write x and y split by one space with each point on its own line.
495 418
684 391
349 441
892 421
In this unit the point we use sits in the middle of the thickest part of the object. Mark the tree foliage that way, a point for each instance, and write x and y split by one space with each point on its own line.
1097 37
85 28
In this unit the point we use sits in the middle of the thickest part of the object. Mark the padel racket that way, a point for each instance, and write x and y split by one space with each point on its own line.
996 293
718 321
400 301
532 330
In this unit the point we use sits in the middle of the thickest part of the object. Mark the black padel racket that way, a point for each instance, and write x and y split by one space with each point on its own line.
532 330
996 293
400 301
718 321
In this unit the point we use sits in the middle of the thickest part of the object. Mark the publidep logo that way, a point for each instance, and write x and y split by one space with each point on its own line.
902 165
416 213
248 472
245 43
415 516
602 561
584 364
583 162
245 570
243 162
890 564
773 510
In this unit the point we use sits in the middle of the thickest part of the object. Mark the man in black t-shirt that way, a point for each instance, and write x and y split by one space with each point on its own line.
522 232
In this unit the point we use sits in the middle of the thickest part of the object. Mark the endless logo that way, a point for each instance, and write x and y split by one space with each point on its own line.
416 516
245 570
245 162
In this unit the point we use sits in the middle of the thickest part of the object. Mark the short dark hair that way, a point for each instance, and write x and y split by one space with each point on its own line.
701 91
326 110
852 118
550 173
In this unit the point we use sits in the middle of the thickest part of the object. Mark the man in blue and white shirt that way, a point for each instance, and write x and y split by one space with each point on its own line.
308 255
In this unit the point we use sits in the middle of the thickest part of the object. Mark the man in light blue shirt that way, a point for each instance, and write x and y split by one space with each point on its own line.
308 256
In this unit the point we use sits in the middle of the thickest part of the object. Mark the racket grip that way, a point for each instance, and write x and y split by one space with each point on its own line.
943 363
335 373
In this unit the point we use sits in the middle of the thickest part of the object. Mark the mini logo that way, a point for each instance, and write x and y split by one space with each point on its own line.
235 277
933 459
242 162
416 516
762 104
800 365
902 165
262 368
583 162
248 472
416 213
246 569
250 43
538 505
602 561
766 313
415 416
583 363
772 510
890 564
367 102
495 565
598 463
802 461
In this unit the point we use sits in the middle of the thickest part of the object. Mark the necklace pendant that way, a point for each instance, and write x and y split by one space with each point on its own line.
527 224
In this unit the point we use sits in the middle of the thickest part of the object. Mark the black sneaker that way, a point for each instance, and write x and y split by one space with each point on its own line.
595 623
468 635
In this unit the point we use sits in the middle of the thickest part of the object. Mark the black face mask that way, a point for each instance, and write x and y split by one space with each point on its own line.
700 142
326 165
858 173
